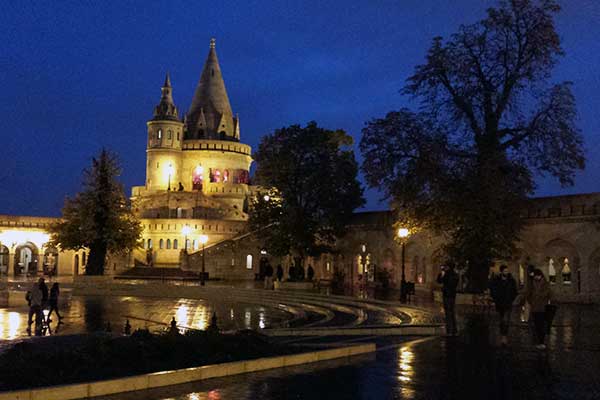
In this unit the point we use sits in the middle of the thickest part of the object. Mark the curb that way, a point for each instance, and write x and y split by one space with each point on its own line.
175 377
408 330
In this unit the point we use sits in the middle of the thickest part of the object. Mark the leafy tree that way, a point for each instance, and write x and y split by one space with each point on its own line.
310 189
99 217
488 123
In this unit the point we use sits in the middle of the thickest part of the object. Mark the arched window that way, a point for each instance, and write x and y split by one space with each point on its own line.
168 243
169 135
175 244
225 176
249 261
159 134
84 258
161 244
194 244
566 272
177 135
551 271
149 246
188 244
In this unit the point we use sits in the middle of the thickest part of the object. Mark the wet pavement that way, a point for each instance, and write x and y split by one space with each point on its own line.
429 368
471 366
91 314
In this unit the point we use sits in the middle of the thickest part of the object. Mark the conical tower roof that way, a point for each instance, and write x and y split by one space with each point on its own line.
211 100
166 110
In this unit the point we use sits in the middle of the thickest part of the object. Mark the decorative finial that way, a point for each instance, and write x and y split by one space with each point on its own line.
167 80
213 42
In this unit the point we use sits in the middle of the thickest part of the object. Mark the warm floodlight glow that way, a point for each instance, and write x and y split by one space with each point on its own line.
15 237
203 239
403 233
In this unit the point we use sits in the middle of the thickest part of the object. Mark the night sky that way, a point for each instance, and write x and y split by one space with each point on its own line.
77 76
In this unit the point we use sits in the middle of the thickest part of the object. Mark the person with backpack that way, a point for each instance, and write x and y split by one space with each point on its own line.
503 289
449 281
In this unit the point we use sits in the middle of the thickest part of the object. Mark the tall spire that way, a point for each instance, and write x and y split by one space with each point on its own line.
211 99
166 108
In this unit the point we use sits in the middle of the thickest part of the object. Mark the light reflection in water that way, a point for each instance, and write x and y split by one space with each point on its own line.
405 364
10 324
182 315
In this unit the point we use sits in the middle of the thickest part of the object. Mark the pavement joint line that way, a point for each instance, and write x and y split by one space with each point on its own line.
406 344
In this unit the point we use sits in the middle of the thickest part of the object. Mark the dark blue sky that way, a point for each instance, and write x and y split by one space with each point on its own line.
80 75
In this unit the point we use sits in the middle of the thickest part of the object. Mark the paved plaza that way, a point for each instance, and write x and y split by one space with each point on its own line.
404 367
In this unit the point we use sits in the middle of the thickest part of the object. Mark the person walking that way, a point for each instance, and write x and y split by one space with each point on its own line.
44 289
449 281
35 308
268 276
538 296
53 301
310 274
503 288
279 272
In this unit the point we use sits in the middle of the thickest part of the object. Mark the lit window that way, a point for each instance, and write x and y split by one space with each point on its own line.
551 271
249 261
566 272
159 134
149 244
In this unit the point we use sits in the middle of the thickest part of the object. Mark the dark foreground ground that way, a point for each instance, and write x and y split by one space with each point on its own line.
431 368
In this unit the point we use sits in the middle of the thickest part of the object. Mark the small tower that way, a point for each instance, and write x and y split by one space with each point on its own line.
165 134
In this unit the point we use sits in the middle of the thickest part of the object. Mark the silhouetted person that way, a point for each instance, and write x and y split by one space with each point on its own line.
53 302
310 273
268 276
538 296
449 280
44 289
127 329
503 288
173 330
34 299
180 189
279 272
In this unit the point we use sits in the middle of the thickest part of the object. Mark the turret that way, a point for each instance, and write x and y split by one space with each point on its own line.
165 134
210 115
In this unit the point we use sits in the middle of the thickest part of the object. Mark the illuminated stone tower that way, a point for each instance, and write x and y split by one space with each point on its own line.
197 171
165 132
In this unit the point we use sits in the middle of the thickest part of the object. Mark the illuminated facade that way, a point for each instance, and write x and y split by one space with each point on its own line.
24 249
197 172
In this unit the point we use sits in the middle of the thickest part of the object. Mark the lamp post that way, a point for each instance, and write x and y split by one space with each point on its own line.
185 231
203 240
402 235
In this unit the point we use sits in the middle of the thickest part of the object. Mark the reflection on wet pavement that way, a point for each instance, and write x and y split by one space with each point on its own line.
91 314
430 368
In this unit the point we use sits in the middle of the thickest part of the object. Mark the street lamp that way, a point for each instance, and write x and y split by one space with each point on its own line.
185 231
170 172
402 235
203 240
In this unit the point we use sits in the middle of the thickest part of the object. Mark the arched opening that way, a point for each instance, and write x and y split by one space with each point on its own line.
168 244
161 244
561 264
4 254
249 261
197 177
50 263
26 259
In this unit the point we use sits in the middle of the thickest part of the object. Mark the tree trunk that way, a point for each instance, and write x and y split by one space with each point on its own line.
95 265
478 276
